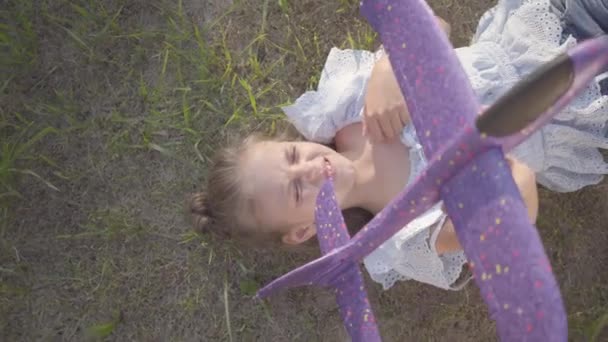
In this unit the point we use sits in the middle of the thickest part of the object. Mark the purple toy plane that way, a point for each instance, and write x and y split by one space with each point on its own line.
467 170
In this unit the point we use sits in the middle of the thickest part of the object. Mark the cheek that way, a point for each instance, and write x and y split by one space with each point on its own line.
310 198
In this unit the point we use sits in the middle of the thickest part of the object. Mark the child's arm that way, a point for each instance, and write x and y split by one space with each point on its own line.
385 112
526 183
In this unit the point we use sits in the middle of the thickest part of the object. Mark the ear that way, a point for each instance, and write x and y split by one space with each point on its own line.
299 235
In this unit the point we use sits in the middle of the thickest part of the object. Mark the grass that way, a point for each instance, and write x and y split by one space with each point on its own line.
110 111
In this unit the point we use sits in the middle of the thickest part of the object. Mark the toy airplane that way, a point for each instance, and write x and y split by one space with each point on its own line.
467 170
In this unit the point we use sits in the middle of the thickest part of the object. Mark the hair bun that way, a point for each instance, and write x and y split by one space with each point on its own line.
199 211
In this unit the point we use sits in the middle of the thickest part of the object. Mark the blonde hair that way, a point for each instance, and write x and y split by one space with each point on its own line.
222 209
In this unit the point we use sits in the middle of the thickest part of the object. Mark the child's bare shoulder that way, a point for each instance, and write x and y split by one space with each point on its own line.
350 137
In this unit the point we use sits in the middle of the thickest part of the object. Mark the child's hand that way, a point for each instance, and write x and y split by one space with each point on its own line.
444 25
385 111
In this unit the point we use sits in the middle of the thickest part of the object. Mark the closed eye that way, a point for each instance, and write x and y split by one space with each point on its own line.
298 190
294 155
292 158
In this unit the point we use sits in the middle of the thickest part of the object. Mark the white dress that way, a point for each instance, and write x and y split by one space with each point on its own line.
512 39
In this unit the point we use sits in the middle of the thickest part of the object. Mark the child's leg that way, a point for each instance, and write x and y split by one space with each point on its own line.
583 19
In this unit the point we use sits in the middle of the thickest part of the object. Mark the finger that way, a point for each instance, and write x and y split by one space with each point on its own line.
482 109
404 114
396 124
387 127
444 25
513 162
364 123
374 131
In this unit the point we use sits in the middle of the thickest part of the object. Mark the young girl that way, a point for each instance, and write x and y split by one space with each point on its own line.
265 190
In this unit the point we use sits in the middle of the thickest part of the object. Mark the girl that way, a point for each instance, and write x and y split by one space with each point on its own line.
265 190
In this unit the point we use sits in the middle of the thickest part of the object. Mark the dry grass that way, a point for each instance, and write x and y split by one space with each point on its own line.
109 111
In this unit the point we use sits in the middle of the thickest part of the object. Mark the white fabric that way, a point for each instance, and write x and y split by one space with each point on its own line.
512 39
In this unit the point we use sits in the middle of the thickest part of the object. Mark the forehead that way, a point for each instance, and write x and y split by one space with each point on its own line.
264 156
265 182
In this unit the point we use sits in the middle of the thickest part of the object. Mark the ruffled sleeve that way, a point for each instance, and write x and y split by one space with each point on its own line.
339 98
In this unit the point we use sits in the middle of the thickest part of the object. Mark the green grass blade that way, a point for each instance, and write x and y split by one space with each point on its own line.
80 10
598 326
102 330
226 308
165 61
35 175
252 100
78 39
37 137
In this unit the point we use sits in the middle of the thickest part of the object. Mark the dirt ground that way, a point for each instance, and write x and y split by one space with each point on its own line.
109 112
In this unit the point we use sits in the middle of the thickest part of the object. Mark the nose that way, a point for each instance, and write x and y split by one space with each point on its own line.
311 171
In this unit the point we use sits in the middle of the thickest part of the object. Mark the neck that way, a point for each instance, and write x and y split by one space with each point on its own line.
364 193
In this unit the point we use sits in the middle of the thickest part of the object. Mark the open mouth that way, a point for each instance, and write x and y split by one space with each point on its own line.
329 172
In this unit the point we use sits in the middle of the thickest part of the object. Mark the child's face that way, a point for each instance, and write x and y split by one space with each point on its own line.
284 179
